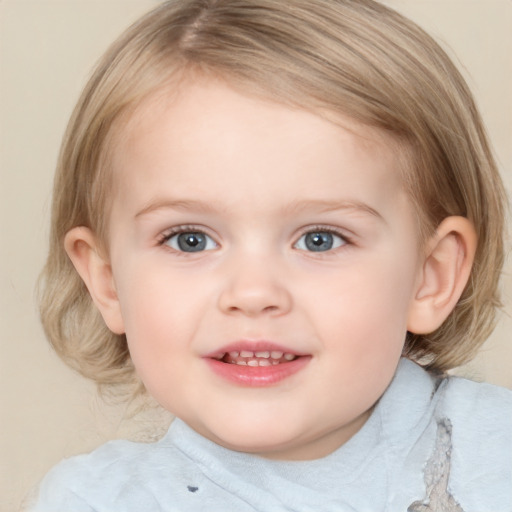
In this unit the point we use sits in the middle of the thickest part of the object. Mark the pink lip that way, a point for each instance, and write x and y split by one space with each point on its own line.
257 376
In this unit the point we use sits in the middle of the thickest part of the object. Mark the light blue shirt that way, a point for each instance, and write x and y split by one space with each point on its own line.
430 445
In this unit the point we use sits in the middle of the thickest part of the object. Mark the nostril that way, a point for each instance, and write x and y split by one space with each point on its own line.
254 298
253 309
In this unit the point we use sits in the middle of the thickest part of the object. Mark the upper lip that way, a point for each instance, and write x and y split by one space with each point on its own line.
253 346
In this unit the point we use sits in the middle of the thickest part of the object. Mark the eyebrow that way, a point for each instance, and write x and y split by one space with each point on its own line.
317 205
326 206
178 204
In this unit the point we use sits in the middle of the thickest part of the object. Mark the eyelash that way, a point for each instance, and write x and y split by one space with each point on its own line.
178 230
167 235
326 229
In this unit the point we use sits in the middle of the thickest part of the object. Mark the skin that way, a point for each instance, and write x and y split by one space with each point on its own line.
257 179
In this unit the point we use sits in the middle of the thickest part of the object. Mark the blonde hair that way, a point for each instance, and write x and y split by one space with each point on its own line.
355 57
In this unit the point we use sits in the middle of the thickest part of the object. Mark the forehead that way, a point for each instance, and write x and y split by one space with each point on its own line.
193 133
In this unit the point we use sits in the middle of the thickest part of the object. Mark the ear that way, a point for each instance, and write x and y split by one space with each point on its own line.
444 274
83 249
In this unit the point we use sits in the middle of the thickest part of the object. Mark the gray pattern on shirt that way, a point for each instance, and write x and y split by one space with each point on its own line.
437 472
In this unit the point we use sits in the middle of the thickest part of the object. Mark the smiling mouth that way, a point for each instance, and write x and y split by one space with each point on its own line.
256 364
255 359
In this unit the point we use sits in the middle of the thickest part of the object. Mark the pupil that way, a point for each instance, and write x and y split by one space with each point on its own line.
319 241
192 242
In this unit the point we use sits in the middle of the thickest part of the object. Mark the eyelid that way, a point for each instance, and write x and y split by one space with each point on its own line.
325 229
194 228
342 233
166 235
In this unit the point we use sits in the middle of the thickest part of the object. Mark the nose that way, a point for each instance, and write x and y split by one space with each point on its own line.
255 288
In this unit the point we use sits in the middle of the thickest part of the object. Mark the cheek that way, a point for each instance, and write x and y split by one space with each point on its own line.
149 309
367 307
158 342
363 330
148 294
162 312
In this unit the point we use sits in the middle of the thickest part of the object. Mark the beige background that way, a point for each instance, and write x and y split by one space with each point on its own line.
47 48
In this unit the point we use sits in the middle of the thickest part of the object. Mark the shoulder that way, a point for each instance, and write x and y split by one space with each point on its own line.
479 405
479 416
108 475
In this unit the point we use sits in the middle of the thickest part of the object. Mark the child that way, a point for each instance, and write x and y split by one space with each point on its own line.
283 219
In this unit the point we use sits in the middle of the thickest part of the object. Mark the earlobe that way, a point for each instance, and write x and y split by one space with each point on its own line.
444 274
84 251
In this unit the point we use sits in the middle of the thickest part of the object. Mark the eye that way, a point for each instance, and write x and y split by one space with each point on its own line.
190 241
319 241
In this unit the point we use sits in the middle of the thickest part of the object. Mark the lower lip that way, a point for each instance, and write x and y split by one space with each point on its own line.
258 376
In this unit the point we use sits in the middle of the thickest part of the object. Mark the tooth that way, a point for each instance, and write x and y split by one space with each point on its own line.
234 354
289 357
241 363
252 362
275 354
264 362
246 353
266 355
219 356
275 362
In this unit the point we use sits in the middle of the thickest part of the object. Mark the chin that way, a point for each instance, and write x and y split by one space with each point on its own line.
254 437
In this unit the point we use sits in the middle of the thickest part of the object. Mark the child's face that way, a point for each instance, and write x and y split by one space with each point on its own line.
240 225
